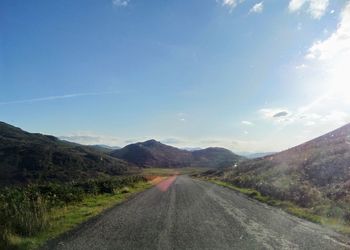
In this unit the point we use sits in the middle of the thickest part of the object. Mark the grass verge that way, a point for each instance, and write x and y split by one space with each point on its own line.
289 207
63 219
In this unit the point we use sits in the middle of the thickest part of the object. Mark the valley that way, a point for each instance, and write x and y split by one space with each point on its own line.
67 187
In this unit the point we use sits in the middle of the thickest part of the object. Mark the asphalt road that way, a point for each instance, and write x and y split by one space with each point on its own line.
182 213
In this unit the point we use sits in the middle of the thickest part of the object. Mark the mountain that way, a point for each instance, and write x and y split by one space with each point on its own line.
191 149
27 157
315 171
104 148
258 155
155 154
214 157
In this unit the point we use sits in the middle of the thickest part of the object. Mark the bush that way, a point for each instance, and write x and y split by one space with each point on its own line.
125 190
253 194
346 217
304 195
89 187
24 210
60 194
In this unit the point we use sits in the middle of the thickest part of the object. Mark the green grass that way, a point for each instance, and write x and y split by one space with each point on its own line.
291 208
68 217
173 171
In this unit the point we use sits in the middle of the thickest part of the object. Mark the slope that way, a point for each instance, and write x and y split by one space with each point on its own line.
27 157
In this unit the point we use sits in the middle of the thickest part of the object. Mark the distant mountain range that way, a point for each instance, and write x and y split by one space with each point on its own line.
104 148
156 154
26 157
31 157
191 148
314 171
256 155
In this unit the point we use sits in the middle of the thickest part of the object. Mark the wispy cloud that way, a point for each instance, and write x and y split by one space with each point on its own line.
92 138
247 123
257 8
58 97
230 3
316 8
172 141
120 3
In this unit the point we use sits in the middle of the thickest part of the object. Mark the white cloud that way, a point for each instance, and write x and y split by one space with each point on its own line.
302 124
295 5
257 8
314 113
247 123
230 3
316 8
172 141
336 117
326 68
337 43
331 58
301 66
120 3
92 138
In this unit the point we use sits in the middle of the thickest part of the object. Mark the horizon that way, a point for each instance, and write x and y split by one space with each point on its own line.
185 147
193 148
249 76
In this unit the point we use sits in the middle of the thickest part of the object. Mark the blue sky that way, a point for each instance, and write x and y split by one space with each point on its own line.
247 75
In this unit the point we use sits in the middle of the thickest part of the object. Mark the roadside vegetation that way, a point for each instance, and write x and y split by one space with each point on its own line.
32 214
310 180
333 215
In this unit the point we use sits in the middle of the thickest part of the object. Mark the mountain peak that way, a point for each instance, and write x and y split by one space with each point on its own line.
156 154
150 142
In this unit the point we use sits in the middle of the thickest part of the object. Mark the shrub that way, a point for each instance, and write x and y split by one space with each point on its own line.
60 194
125 190
22 212
346 217
253 194
304 195
89 187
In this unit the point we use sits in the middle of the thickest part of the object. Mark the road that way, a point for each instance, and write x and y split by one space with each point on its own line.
182 213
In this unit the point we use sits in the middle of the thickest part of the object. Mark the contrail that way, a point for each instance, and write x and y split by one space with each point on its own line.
52 98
